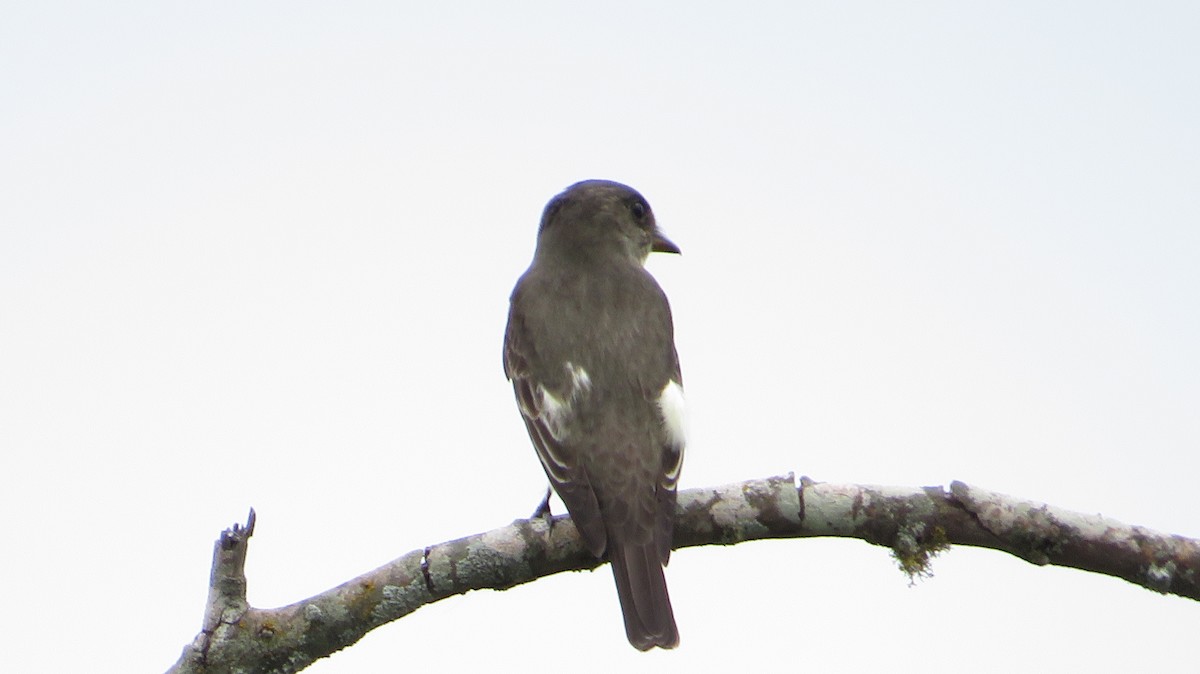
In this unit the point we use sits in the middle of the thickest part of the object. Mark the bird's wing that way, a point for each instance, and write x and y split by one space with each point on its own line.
545 407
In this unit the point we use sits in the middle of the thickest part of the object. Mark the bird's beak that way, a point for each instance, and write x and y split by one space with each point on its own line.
662 244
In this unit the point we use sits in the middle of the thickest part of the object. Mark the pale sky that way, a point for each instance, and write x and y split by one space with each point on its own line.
259 254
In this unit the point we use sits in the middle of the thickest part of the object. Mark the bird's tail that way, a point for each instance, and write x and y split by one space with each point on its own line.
642 589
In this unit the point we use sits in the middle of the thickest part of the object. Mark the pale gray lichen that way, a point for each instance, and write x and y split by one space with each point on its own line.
502 566
398 601
1159 576
915 547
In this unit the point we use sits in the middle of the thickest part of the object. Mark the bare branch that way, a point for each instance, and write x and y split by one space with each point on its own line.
916 523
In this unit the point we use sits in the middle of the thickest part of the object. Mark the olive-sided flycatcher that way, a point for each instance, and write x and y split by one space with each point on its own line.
591 354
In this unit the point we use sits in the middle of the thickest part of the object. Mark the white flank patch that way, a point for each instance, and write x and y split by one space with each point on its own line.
580 381
554 411
674 413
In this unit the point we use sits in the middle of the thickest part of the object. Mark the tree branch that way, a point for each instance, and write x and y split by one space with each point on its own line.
916 523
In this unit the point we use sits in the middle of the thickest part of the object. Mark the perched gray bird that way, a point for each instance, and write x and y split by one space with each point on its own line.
591 354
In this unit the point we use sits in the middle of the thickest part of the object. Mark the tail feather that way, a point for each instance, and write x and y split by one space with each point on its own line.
642 589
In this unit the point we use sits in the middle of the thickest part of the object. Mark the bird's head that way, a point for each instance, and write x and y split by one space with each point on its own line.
598 219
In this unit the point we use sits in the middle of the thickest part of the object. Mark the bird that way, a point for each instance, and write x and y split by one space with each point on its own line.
590 351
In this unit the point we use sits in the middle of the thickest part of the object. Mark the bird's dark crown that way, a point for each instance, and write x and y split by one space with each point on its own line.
594 196
594 216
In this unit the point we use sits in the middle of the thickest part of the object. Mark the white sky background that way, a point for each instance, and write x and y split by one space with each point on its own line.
259 254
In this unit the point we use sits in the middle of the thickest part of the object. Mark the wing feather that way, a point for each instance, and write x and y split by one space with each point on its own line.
544 418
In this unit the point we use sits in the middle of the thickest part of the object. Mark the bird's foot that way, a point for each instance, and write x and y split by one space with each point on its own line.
543 509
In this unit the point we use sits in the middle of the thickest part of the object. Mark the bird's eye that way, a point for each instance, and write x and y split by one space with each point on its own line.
639 209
